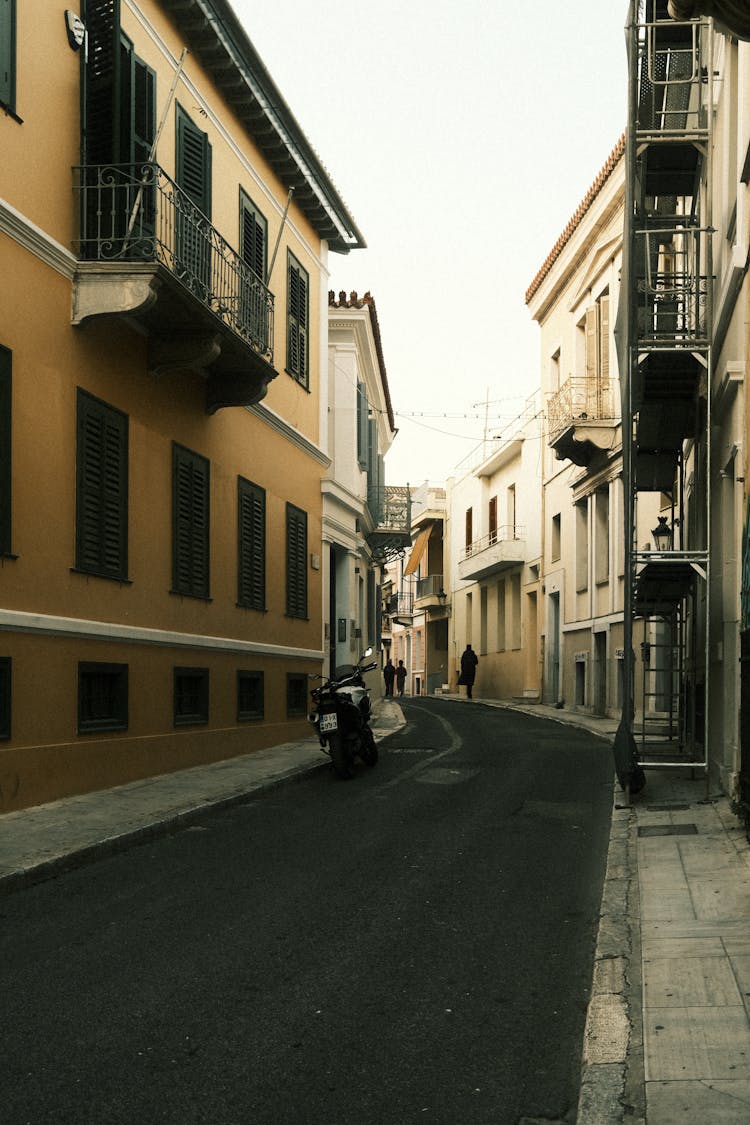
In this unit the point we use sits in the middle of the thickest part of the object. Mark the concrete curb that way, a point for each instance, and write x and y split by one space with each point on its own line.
161 825
612 1047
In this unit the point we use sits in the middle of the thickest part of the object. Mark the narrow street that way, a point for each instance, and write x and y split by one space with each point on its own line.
414 945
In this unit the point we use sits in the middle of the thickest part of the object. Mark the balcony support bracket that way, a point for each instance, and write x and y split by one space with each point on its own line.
100 289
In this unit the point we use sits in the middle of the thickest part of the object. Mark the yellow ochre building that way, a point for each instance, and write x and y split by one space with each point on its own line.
164 237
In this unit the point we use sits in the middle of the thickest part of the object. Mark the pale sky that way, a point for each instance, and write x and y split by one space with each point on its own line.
462 137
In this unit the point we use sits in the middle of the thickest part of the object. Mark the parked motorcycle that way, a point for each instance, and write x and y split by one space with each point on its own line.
342 717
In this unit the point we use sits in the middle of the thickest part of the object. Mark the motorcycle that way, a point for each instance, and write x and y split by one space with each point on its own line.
342 717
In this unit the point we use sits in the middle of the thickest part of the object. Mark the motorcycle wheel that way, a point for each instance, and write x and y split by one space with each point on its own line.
340 757
369 752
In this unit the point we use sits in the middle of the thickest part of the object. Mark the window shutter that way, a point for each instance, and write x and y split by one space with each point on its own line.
102 482
252 545
144 111
253 237
469 527
297 317
7 52
296 562
5 449
604 339
191 523
592 359
101 142
493 519
193 163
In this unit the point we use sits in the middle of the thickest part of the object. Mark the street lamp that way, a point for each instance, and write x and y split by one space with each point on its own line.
662 535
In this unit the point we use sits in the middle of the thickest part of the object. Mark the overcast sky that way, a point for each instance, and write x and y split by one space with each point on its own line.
462 137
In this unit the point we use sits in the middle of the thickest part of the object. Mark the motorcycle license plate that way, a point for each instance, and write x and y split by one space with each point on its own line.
328 723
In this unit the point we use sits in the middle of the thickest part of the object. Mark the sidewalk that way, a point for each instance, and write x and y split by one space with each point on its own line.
668 1027
38 843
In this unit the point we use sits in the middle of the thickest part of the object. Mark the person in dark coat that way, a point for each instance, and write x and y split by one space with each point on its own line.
469 663
400 677
389 675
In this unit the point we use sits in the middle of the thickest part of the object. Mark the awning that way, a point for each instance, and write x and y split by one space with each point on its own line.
730 15
418 550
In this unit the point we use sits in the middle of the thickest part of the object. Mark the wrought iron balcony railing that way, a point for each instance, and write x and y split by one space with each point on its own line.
400 605
580 400
507 534
136 213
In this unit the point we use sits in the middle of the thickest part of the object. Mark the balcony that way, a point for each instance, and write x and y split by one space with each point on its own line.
150 257
499 551
582 420
431 595
400 609
390 510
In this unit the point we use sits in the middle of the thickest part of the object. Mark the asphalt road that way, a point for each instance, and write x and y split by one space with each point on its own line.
414 945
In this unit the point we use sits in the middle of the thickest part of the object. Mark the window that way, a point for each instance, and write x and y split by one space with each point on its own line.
296 695
190 517
250 690
5 458
362 427
296 562
601 514
515 603
8 54
510 504
190 696
251 545
5 692
102 697
493 520
555 539
469 536
101 489
501 615
582 545
297 319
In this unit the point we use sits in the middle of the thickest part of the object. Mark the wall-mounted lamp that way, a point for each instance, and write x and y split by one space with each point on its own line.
662 535
76 30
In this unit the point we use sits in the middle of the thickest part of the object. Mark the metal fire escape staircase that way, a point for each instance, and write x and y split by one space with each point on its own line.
666 399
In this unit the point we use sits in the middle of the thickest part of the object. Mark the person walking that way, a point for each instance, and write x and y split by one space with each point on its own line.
389 675
400 677
469 663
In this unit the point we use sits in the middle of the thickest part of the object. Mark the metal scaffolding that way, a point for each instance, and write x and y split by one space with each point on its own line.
664 337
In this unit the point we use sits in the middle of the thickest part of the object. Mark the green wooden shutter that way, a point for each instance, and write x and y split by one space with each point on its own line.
251 569
191 521
102 109
297 321
6 359
296 562
8 53
193 162
253 237
102 489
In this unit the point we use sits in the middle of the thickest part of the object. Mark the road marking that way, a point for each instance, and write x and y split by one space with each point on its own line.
455 741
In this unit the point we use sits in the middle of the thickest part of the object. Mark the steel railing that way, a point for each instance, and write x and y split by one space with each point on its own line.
137 213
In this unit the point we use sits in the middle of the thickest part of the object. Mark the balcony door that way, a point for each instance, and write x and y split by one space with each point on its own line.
192 250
